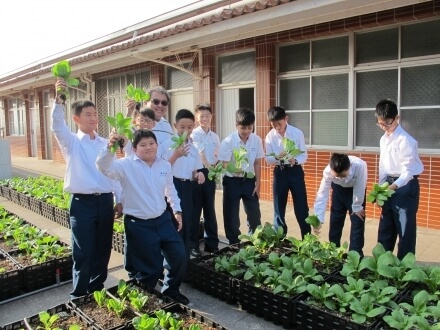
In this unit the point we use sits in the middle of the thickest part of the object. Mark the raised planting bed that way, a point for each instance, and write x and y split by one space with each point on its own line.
118 242
205 278
48 211
24 200
35 205
11 278
63 316
62 217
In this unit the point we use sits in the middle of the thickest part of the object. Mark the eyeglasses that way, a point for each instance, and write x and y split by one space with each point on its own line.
386 124
157 102
143 121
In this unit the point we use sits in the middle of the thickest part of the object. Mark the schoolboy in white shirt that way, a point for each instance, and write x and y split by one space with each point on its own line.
208 144
347 176
91 209
149 230
290 176
236 186
186 166
400 166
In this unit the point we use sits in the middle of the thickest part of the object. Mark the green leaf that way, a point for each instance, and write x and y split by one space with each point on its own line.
62 70
73 82
111 121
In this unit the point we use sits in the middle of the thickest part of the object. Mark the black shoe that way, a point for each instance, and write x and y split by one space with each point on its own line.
196 253
181 299
210 250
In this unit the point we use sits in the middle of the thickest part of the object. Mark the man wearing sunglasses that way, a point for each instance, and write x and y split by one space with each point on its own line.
159 100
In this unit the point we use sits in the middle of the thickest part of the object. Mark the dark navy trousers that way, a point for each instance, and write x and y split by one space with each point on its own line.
290 178
204 199
91 222
398 219
185 193
342 201
148 243
234 190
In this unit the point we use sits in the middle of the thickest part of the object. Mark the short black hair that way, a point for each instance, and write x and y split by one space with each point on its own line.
276 113
339 162
203 106
184 113
147 112
78 106
139 134
386 109
244 117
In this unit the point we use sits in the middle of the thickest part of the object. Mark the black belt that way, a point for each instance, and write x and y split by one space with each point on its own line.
180 179
391 179
128 216
97 194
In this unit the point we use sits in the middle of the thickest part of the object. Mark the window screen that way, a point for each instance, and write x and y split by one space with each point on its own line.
330 92
373 86
178 78
367 134
236 68
377 46
330 128
300 120
422 124
421 85
421 39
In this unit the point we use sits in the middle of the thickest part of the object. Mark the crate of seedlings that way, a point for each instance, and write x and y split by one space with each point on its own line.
11 278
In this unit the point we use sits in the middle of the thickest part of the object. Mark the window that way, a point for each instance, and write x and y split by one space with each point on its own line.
236 68
316 101
17 119
110 95
179 79
333 102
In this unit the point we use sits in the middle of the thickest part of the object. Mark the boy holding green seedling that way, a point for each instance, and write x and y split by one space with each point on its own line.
243 177
91 209
187 165
347 177
400 166
149 230
207 143
286 149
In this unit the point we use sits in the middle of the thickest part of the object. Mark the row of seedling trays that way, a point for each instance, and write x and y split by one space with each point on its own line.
30 259
308 284
125 306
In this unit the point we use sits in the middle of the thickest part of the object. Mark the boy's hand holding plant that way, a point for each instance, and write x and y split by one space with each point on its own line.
180 145
380 193
63 70
290 151
123 128
240 159
314 222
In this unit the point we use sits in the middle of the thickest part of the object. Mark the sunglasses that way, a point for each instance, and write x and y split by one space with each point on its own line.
157 102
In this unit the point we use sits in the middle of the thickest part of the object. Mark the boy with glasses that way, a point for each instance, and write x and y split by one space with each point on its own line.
208 143
400 166
347 176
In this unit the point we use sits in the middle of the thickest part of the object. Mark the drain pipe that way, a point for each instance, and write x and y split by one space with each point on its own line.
35 292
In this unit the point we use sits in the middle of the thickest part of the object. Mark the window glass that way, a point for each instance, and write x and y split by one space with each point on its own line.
422 124
421 39
300 120
330 92
295 94
329 52
330 128
373 86
294 57
377 46
421 85
367 134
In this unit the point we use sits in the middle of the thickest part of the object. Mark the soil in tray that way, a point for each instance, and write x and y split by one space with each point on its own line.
153 303
190 320
64 322
7 266
8 245
105 318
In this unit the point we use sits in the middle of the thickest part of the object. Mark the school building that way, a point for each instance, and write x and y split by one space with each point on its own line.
327 62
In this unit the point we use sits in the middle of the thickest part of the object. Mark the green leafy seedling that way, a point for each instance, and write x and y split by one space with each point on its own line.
63 70
380 193
123 126
47 320
215 172
313 221
178 141
289 147
137 94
